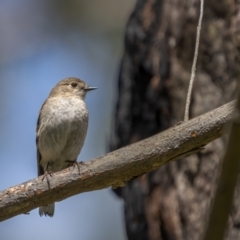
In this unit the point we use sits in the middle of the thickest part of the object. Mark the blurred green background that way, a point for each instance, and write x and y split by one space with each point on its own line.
42 42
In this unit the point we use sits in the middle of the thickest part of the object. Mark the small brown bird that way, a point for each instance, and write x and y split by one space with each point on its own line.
61 129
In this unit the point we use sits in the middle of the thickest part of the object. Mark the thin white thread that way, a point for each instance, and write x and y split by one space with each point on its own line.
188 101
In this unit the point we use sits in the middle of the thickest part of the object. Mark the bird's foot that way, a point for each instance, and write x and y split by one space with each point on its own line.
45 175
75 163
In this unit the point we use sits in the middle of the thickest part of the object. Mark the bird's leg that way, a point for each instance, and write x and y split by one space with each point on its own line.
74 163
46 173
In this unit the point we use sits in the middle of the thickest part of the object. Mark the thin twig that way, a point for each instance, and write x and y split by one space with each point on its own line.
188 101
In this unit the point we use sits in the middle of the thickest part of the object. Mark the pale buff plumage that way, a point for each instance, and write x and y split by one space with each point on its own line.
61 129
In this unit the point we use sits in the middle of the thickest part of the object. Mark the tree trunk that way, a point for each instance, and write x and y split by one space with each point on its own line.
173 202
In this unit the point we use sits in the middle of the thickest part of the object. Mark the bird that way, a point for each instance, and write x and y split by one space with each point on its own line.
61 130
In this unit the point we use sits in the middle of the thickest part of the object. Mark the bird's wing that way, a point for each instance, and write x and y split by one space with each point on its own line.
39 157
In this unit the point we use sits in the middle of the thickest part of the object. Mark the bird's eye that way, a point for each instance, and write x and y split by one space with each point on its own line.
74 84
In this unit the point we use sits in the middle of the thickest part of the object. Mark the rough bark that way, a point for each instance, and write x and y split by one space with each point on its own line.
173 202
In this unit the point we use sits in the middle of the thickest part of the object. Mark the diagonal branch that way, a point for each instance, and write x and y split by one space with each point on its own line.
118 167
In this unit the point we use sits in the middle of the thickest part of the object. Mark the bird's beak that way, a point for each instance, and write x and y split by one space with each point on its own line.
90 88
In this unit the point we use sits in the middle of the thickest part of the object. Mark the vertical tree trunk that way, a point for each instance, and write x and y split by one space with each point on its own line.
173 202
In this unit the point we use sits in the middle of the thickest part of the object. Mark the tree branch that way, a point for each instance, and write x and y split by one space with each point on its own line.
118 167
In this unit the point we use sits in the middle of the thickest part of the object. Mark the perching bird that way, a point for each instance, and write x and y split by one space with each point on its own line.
61 129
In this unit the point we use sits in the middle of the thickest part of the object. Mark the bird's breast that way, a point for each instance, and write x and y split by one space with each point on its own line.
64 111
63 128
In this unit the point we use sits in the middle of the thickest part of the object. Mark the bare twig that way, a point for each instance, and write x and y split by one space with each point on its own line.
118 167
227 182
188 100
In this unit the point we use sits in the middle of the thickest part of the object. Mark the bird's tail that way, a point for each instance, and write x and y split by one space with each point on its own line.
47 210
